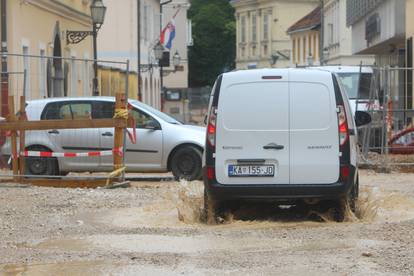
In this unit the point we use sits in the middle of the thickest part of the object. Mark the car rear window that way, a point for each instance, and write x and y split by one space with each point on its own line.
67 111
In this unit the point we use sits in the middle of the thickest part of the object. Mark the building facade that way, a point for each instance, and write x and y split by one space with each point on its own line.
176 12
304 37
38 27
378 28
337 36
261 37
118 41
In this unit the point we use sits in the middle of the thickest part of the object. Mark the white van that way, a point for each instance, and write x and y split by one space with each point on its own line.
280 134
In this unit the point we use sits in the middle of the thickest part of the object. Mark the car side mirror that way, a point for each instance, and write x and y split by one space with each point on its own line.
152 125
362 118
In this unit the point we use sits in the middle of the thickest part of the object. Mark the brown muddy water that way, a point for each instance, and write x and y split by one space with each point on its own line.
167 235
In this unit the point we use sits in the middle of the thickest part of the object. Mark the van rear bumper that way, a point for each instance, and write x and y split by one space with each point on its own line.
281 191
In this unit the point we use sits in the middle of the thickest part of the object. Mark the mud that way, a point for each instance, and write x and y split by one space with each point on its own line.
157 228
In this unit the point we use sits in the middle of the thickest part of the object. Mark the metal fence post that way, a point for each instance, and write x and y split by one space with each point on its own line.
124 148
387 92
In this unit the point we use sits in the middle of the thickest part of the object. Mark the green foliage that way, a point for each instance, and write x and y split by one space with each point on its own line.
214 35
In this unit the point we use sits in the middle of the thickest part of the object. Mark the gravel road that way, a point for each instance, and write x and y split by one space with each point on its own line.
154 228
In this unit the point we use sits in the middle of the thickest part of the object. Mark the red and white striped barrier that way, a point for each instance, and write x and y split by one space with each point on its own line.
28 153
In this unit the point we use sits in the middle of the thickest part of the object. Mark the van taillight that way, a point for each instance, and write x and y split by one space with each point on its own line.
211 127
343 125
344 173
210 173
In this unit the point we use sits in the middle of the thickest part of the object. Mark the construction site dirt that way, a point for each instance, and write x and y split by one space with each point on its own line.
154 228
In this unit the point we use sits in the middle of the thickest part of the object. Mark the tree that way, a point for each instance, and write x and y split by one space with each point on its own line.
214 35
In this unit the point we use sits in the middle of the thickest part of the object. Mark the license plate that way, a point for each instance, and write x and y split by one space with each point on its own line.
251 170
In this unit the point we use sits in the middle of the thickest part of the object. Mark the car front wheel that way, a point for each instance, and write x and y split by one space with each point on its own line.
186 163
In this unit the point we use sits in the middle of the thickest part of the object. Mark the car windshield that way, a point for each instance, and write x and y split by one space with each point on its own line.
157 113
351 82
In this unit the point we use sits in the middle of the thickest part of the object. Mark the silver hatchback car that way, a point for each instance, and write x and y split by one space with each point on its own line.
163 144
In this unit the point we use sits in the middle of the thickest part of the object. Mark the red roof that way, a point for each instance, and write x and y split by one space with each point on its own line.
310 21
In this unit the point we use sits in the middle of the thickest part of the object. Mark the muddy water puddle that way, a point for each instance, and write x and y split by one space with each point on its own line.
80 268
181 206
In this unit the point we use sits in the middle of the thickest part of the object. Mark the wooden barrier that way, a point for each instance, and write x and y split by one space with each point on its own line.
21 125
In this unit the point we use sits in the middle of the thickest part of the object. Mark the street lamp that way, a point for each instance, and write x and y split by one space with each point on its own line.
176 59
158 51
310 60
98 11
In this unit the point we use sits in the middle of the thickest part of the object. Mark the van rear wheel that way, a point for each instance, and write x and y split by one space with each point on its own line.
210 207
347 205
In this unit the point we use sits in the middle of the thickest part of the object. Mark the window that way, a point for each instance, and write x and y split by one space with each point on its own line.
314 46
298 56
294 51
265 50
304 50
254 27
26 68
103 110
146 22
330 34
67 111
42 74
189 33
243 29
309 45
142 119
73 77
266 26
156 25
86 76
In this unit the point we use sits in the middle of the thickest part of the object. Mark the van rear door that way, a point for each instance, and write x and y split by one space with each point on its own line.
253 129
314 140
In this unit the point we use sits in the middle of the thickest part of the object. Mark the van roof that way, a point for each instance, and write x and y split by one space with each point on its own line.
259 73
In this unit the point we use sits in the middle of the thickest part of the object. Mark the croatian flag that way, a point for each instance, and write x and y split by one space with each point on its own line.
168 35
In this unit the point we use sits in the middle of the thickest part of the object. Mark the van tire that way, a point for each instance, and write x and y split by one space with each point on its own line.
41 165
186 163
347 204
210 208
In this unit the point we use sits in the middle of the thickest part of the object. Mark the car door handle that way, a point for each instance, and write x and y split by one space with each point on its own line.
274 146
109 134
53 131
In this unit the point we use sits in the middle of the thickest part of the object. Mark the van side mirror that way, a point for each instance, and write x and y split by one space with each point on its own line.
362 118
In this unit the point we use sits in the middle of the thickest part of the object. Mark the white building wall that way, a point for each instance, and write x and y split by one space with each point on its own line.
337 37
117 41
392 22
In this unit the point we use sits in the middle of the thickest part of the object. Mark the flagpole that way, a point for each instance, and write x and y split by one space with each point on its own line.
161 69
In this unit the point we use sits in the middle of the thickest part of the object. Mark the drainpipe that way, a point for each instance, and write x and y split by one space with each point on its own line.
139 95
4 110
321 55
